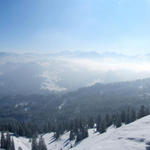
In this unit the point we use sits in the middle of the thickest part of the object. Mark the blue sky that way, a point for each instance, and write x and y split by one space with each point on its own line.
85 25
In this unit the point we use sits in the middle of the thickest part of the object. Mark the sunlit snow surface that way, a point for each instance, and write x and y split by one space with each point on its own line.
134 136
22 142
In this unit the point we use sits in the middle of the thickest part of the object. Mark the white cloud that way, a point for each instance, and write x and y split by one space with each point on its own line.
50 82
60 73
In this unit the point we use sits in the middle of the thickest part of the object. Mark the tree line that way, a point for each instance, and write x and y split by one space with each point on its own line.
38 145
78 127
7 142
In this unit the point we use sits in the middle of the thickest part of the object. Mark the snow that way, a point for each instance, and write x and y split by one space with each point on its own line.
60 106
21 105
62 143
22 142
134 136
141 87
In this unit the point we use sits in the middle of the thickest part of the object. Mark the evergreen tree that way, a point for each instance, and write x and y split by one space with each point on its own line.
71 136
128 116
84 133
117 120
79 136
133 115
12 145
147 111
91 123
3 141
57 134
42 145
103 127
123 116
19 148
107 120
34 144
142 112
8 141
98 123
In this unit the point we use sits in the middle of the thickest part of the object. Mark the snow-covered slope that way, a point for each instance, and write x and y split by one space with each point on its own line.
24 143
134 136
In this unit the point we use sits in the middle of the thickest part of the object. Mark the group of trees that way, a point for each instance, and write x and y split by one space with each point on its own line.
78 127
38 145
101 123
117 119
7 142
20 128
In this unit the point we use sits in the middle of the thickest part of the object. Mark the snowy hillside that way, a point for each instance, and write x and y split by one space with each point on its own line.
134 136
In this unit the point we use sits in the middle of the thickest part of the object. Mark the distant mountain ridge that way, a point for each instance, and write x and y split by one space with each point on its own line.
89 101
78 54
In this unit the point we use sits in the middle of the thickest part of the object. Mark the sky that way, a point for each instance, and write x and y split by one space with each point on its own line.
61 45
79 25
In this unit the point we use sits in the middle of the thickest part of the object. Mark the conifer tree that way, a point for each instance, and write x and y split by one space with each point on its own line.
8 141
133 115
117 120
3 141
34 144
98 123
42 145
71 136
123 116
19 148
128 116
57 134
102 127
91 122
12 145
79 136
108 120
142 112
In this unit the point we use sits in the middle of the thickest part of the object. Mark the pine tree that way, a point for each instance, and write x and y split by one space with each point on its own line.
123 116
71 136
19 148
91 123
84 133
117 120
108 120
34 144
57 134
147 111
133 115
42 145
12 145
98 123
128 116
79 136
8 141
102 127
3 142
142 112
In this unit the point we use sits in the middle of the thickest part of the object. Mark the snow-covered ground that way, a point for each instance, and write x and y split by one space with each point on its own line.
134 136
24 143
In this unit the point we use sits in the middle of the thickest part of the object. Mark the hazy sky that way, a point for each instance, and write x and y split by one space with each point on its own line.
94 25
